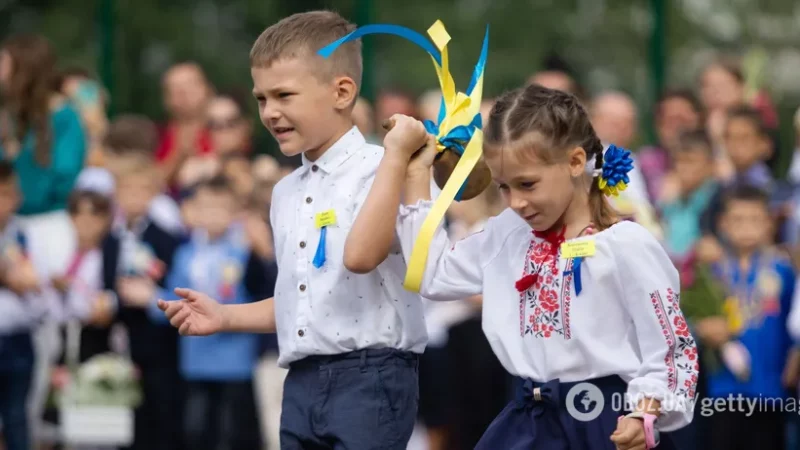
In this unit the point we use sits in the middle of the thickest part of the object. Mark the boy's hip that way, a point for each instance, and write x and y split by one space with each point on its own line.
16 352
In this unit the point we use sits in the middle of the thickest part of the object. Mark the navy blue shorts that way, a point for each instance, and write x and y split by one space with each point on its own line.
365 399
528 423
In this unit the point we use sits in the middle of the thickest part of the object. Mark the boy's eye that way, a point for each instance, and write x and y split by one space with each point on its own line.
260 98
527 184
285 94
502 187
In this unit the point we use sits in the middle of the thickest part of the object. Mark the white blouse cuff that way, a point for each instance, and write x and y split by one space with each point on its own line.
676 410
421 205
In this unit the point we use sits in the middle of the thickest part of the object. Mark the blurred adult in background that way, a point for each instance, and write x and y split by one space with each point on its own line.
557 74
677 111
89 97
364 118
615 119
391 102
41 134
187 93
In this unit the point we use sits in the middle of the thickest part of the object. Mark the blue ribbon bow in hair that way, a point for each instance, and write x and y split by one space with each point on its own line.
617 162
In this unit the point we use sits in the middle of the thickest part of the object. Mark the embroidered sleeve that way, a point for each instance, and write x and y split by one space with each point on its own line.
451 272
667 349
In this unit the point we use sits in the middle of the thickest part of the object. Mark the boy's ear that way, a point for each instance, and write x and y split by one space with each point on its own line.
346 92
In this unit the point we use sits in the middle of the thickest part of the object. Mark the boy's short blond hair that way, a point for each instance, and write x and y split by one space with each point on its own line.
302 35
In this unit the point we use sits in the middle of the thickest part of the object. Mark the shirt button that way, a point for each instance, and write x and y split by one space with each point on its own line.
301 333
302 244
314 168
309 200
302 288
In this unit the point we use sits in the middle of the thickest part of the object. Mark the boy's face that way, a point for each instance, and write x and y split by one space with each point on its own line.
746 224
9 199
299 110
693 167
744 144
134 192
214 211
89 225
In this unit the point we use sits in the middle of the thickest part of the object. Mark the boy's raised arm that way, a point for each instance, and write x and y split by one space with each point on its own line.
373 232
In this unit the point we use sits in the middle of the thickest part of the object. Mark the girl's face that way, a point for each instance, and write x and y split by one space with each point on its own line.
539 191
6 68
90 225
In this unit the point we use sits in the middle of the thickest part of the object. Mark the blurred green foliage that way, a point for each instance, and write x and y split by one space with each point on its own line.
607 41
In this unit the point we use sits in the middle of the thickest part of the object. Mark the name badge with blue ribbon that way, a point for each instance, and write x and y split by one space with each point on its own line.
322 221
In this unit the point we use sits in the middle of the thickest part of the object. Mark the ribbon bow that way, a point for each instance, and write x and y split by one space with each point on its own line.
617 162
554 239
533 395
458 127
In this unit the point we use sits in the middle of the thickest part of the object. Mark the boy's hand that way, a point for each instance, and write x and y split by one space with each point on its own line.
102 312
21 278
137 292
405 137
61 284
421 163
629 434
195 315
713 331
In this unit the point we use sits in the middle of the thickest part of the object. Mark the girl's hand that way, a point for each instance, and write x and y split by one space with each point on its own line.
629 434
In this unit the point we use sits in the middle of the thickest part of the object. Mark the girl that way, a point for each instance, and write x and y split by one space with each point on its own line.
582 307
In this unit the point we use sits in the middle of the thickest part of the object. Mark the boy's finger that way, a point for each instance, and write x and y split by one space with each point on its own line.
172 308
184 329
180 318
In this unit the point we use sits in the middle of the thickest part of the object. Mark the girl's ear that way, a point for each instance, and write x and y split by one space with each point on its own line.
577 161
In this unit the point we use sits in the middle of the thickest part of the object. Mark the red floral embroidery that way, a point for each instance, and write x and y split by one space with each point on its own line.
544 303
681 357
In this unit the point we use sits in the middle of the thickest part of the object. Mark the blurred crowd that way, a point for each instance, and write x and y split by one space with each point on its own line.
97 214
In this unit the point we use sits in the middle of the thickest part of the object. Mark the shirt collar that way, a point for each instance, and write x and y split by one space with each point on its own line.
339 152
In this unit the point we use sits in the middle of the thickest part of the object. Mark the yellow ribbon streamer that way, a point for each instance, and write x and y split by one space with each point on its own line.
460 109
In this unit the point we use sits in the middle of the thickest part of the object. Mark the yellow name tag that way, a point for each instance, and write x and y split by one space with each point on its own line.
325 218
579 249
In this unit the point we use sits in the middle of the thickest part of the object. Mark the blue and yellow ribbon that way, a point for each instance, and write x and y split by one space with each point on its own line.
458 127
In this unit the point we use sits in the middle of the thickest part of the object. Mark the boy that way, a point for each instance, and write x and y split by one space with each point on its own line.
687 193
23 305
348 331
752 338
747 144
218 368
139 247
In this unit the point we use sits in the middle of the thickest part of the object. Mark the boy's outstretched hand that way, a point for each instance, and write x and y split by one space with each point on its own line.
196 314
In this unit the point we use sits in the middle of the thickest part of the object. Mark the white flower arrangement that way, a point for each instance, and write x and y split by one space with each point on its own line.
103 380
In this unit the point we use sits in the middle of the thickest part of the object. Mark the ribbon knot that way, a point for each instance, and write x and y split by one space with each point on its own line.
538 396
617 162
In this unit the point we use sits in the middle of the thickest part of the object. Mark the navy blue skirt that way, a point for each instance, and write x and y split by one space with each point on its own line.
561 416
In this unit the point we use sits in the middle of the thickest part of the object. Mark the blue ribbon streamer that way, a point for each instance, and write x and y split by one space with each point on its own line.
459 136
576 274
319 256
396 30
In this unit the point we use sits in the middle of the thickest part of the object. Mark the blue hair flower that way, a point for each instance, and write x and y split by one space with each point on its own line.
617 162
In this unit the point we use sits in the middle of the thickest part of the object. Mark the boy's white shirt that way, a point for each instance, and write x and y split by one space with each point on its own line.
626 320
329 310
19 313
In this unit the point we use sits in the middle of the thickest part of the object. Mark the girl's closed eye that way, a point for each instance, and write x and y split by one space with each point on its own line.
527 185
